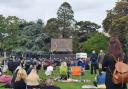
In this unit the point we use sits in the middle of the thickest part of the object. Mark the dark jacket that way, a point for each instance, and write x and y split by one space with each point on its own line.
93 58
109 66
13 65
19 85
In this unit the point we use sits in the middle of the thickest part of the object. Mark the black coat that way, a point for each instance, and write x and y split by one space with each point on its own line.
109 66
19 85
13 65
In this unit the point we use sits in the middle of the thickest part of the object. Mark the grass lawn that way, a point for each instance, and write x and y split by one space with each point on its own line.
78 85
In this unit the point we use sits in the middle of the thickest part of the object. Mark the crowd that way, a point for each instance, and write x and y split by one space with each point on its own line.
25 72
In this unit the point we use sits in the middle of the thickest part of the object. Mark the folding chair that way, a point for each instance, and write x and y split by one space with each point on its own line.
76 71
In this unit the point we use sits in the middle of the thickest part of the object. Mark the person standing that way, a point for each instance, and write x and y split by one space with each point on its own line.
94 62
100 58
114 52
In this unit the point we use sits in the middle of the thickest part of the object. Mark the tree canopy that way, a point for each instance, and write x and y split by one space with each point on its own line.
116 21
65 17
96 42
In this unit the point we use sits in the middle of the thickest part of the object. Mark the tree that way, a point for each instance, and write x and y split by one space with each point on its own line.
65 17
12 27
85 29
52 28
32 38
97 42
116 21
2 33
121 7
2 30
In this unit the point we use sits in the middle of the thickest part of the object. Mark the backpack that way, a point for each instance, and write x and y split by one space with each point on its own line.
120 73
93 59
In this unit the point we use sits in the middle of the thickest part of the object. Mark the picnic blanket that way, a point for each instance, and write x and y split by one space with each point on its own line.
89 87
74 80
94 87
6 79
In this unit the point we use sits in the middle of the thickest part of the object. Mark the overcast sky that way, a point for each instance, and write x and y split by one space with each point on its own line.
93 10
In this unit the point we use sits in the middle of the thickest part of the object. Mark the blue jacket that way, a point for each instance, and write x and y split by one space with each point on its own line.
81 63
100 79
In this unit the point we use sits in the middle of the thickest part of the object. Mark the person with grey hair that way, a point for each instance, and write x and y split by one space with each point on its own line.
100 58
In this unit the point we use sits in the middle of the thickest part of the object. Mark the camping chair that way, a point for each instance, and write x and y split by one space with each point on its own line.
76 71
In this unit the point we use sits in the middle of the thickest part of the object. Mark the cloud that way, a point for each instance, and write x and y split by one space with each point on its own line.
93 10
17 4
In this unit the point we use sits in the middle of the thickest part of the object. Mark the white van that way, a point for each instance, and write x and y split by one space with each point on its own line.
81 55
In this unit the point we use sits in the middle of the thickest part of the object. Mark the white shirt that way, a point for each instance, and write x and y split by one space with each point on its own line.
49 70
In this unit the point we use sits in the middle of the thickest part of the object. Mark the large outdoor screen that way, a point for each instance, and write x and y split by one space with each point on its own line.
61 45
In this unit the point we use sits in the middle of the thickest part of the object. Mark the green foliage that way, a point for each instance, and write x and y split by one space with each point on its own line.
2 30
87 26
120 27
65 17
85 29
116 21
97 42
121 8
52 28
9 30
32 39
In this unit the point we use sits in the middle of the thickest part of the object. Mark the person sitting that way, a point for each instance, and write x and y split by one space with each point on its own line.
12 65
81 63
30 69
49 70
5 67
50 85
1 72
63 71
100 79
19 79
33 80
5 79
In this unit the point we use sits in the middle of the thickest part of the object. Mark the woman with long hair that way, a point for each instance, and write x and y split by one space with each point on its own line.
114 52
19 82
33 80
